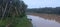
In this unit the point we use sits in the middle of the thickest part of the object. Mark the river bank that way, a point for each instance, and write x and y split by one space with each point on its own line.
41 22
47 16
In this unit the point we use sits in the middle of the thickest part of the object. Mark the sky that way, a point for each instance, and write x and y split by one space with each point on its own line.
42 3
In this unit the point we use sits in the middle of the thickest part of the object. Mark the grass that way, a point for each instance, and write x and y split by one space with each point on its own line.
16 22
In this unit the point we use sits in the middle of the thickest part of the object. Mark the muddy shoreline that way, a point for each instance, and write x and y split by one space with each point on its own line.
47 16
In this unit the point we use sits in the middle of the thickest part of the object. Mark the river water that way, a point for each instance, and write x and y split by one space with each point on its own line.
41 22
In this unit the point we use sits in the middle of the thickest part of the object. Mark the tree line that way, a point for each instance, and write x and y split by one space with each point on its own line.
47 10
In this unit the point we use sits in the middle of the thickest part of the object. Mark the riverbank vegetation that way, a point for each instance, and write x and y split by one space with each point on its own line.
12 14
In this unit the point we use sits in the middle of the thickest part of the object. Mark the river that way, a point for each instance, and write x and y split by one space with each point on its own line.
41 22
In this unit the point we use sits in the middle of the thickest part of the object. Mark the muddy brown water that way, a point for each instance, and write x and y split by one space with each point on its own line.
41 22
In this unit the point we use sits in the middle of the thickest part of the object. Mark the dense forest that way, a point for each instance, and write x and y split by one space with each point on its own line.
12 14
47 10
10 7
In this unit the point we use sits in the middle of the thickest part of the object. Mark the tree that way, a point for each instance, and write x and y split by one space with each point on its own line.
11 8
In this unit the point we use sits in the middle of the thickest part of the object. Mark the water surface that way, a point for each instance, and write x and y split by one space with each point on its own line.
41 22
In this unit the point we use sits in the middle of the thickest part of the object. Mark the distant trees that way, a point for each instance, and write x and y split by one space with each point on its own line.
47 10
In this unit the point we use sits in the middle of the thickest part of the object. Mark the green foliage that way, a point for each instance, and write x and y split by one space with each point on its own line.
11 7
12 14
16 22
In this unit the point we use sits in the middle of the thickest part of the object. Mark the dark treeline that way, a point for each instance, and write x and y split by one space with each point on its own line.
48 10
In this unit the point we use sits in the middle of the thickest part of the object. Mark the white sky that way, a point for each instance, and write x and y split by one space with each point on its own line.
42 3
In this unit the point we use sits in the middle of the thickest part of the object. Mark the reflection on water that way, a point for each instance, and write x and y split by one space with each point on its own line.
41 22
